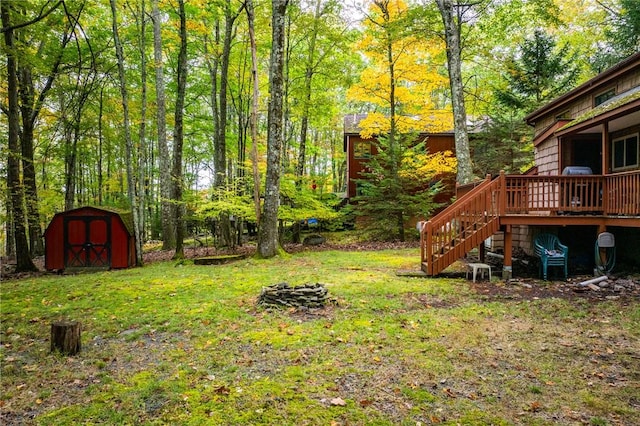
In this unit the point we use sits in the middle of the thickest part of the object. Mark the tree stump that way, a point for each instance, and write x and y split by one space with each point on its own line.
65 337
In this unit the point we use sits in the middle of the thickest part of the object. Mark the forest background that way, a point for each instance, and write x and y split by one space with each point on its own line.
166 107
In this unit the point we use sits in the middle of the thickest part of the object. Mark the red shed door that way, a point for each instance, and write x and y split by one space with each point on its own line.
87 242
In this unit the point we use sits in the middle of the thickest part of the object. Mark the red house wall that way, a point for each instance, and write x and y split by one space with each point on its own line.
435 143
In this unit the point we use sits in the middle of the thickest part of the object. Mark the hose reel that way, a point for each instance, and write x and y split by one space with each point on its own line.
605 253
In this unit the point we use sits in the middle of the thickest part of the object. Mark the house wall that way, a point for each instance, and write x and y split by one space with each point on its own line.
54 245
435 143
521 236
355 165
547 157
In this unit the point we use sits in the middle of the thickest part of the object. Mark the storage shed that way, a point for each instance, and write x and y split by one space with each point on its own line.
90 237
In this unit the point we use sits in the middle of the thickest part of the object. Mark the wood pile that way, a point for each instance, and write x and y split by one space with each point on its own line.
307 295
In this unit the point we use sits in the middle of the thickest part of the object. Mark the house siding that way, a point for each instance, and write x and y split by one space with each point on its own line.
547 157
585 103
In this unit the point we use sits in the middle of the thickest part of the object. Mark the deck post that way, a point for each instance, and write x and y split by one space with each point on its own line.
605 151
482 252
428 247
507 271
605 167
502 202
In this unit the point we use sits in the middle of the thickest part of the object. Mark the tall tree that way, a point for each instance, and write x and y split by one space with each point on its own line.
178 133
23 258
255 93
537 73
131 177
623 35
72 107
141 154
399 81
164 158
225 234
452 20
310 70
32 100
220 157
268 244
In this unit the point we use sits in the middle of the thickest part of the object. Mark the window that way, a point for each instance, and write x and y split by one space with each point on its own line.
603 97
362 149
625 152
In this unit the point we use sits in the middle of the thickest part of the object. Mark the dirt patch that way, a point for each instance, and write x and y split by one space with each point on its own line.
621 288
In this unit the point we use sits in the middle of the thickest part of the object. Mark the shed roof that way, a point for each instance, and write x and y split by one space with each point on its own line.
124 215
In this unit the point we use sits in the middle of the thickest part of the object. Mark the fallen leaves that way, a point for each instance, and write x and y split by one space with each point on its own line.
222 390
365 403
338 402
534 407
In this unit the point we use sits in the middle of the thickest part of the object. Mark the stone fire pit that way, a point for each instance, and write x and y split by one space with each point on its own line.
307 295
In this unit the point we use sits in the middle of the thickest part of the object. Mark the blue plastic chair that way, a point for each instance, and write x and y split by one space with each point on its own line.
551 253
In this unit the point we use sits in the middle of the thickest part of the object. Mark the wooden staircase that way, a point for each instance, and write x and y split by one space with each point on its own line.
539 200
462 226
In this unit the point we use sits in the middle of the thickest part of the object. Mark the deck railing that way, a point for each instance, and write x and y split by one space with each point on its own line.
553 194
617 194
622 194
476 215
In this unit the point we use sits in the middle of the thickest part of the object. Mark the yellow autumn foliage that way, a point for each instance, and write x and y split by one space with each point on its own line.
420 80
420 167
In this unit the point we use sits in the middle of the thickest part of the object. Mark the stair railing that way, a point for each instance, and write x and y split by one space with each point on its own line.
463 225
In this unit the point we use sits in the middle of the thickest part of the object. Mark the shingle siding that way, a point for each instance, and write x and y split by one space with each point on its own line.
547 157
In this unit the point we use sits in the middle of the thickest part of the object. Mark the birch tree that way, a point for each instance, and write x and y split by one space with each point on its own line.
131 178
452 24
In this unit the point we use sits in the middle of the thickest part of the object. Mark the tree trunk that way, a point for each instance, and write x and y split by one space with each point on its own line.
100 144
308 77
31 104
70 154
36 242
220 145
454 49
131 177
268 244
220 155
142 136
10 242
254 108
23 258
178 133
167 208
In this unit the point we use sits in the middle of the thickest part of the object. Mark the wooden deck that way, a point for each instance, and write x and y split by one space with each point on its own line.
497 204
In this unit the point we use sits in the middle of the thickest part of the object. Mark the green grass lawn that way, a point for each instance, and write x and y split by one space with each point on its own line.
186 344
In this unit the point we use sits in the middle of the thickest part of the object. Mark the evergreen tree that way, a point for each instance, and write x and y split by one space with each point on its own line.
401 180
623 38
503 144
537 73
